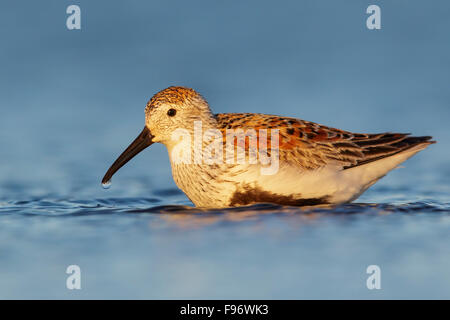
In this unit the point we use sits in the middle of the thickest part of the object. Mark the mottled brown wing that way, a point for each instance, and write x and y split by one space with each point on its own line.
311 145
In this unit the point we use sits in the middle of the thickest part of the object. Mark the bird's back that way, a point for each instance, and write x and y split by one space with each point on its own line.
318 164
311 146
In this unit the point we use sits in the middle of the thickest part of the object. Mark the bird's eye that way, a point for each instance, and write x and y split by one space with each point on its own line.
171 112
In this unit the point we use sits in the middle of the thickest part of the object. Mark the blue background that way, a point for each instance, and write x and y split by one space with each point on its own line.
70 102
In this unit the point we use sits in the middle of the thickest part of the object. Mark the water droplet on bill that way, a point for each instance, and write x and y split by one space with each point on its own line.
106 185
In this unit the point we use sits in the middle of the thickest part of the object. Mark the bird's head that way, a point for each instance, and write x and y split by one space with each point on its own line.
168 110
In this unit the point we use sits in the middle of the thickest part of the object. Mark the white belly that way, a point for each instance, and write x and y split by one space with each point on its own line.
225 185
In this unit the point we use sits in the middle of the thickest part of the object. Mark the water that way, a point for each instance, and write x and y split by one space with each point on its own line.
71 101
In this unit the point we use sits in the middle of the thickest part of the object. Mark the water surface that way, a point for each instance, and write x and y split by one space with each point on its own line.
71 101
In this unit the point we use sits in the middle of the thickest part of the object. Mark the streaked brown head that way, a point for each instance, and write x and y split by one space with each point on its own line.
167 111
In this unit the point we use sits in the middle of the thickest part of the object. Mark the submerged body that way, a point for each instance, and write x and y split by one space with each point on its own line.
315 164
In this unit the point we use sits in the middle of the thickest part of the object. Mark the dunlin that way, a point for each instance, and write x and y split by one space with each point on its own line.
315 164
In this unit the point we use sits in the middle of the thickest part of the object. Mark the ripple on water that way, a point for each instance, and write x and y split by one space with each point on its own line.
149 205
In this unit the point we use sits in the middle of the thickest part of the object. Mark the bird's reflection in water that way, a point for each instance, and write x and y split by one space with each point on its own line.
190 217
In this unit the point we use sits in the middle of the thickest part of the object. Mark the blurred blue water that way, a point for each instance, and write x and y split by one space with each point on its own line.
72 100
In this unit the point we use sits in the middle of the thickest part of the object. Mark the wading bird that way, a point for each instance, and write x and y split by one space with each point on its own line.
315 164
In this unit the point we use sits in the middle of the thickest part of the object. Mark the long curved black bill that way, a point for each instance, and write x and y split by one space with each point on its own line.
143 140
